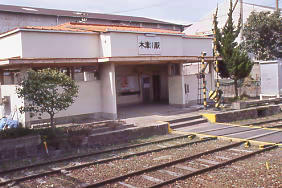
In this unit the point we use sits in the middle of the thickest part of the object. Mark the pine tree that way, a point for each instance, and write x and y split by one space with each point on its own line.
235 63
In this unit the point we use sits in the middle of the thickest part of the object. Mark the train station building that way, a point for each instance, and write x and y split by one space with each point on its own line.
114 67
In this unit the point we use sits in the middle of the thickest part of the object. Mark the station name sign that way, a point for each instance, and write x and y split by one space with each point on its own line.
149 45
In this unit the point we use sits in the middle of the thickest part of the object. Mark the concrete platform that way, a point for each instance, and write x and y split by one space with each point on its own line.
151 114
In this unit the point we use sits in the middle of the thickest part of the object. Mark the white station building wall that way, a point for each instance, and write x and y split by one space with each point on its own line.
99 97
87 103
126 44
195 46
59 45
11 46
31 44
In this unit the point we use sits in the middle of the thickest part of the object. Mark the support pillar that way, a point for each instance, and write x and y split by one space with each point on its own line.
176 91
108 89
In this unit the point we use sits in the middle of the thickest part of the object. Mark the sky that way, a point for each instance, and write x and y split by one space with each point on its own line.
176 11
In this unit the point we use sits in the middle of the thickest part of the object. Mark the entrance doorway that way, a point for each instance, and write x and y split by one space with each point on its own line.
156 88
146 89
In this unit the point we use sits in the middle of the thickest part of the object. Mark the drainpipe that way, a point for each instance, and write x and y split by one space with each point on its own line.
57 21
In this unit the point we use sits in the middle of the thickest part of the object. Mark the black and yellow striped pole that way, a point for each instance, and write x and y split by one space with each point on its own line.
216 63
204 80
217 104
217 91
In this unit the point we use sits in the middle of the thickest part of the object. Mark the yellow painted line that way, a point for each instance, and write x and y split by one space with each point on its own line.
228 138
225 137
252 127
279 145
211 117
254 142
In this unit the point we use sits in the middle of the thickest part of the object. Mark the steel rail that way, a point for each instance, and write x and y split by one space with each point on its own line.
140 153
213 167
156 167
264 122
90 154
55 171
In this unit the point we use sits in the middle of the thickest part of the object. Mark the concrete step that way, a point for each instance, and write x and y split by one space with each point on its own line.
188 123
182 119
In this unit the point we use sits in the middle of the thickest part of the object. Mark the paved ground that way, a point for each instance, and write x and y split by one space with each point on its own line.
150 114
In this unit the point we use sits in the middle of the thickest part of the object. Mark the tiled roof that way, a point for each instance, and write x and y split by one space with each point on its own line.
83 27
90 28
54 12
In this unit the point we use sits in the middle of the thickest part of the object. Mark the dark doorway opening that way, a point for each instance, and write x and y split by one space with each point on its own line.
156 88
146 89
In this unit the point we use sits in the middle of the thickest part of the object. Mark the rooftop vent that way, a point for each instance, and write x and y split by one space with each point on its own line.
29 9
79 13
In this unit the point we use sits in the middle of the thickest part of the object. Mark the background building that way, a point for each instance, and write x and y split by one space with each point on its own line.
18 16
205 25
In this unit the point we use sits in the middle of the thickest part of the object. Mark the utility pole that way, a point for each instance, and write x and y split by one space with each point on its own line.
241 17
241 10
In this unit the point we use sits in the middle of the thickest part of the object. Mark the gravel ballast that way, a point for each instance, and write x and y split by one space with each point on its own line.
247 173
96 173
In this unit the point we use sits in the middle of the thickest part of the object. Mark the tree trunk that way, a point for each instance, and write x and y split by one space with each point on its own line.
236 89
52 121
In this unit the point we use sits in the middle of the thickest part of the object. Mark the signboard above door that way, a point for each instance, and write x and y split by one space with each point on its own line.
149 45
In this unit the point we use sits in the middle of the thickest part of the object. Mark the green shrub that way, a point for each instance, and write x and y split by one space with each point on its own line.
47 134
16 132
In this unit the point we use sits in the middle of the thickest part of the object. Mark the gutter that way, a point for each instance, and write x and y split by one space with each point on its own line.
140 32
196 37
44 31
156 33
108 30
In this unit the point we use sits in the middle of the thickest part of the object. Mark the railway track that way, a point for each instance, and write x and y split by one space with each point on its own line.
170 172
35 171
160 174
118 149
156 175
275 122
